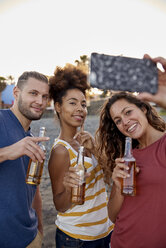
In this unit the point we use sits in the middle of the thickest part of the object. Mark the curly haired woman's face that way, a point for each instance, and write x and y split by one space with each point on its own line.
129 119
73 109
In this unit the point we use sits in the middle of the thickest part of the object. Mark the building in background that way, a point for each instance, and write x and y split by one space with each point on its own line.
7 97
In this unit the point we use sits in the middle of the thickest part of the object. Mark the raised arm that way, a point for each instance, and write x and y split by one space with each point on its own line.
160 97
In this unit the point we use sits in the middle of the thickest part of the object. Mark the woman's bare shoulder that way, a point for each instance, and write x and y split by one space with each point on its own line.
59 157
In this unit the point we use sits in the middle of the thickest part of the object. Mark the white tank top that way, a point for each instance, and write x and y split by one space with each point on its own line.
89 221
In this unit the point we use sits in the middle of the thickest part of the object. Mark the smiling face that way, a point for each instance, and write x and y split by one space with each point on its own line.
73 110
129 119
32 98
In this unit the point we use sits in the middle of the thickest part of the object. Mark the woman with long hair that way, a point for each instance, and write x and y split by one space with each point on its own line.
139 220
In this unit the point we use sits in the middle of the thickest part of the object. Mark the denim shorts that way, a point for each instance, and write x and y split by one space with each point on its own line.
65 241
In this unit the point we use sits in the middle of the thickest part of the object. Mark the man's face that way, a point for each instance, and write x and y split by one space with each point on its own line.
32 99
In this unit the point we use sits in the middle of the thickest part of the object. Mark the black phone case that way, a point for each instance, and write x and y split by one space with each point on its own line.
123 73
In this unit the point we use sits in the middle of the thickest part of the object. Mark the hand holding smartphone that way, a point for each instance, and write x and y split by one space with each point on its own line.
123 73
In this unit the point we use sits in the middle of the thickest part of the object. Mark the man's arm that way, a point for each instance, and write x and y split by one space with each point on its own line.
4 153
37 205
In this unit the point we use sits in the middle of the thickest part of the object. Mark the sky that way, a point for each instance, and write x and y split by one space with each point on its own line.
42 34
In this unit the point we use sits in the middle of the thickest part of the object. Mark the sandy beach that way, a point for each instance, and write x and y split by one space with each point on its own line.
49 211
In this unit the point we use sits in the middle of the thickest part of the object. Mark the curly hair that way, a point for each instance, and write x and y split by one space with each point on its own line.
66 78
110 141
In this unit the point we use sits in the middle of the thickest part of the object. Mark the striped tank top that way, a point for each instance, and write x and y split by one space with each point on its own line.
89 221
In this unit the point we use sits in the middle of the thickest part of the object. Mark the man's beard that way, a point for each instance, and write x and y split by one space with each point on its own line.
25 111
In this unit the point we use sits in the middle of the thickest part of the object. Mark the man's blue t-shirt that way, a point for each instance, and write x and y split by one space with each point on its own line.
18 220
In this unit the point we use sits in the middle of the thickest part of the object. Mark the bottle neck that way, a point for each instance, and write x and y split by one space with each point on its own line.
128 147
81 150
42 134
80 158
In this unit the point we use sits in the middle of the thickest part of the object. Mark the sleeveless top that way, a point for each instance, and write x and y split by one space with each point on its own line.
89 221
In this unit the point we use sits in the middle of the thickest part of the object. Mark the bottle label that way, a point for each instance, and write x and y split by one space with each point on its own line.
129 183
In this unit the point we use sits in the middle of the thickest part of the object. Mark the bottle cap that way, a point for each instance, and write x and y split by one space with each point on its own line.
81 148
42 128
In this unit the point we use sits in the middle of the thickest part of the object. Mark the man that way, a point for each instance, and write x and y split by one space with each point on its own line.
20 203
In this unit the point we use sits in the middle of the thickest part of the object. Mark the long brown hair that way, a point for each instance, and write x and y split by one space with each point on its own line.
110 141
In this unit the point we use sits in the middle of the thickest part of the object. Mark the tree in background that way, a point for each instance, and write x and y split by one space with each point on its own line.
10 79
83 63
2 83
2 87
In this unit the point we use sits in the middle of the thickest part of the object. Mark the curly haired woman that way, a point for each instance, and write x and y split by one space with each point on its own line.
86 225
139 220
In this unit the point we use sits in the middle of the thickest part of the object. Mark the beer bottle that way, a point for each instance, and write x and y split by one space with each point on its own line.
128 185
35 169
78 193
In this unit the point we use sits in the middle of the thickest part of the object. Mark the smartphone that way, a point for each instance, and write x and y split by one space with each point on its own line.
120 73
